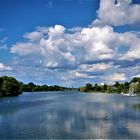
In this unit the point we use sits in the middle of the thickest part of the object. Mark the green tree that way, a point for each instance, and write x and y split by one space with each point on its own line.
83 89
31 86
135 79
125 87
88 87
96 87
10 86
1 81
136 87
104 87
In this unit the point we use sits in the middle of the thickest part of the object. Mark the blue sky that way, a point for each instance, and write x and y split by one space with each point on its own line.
70 42
23 16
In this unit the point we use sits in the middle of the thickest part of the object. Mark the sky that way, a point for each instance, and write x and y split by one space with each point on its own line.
70 42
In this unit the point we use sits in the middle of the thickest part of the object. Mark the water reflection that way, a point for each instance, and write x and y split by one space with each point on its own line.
73 115
133 128
136 107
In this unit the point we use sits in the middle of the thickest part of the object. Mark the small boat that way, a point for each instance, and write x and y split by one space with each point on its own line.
131 93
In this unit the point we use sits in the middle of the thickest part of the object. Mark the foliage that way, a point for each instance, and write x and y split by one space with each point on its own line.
115 88
135 86
31 87
9 86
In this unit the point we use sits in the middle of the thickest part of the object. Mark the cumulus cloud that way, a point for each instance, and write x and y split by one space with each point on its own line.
95 67
133 53
78 74
116 77
117 12
60 48
4 67
90 52
132 41
23 49
33 36
84 53
56 47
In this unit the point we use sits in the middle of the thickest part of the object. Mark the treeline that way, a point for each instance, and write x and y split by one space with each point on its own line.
31 87
115 88
9 86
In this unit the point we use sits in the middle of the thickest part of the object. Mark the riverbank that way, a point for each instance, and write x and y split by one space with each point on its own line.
117 87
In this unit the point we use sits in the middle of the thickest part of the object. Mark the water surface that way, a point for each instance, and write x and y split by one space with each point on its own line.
69 115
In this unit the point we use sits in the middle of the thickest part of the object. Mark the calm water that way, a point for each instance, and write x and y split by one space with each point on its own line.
69 115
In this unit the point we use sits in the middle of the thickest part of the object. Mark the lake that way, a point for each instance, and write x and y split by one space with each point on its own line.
70 114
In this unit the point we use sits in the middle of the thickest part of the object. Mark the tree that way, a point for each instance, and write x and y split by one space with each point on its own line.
97 87
135 79
125 87
117 84
135 86
88 87
10 86
83 89
31 86
1 81
104 87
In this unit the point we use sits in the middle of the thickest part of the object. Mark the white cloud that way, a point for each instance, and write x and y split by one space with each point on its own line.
77 74
57 45
132 40
80 75
34 36
80 52
95 67
95 40
115 77
117 12
4 67
133 54
65 48
57 30
27 48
